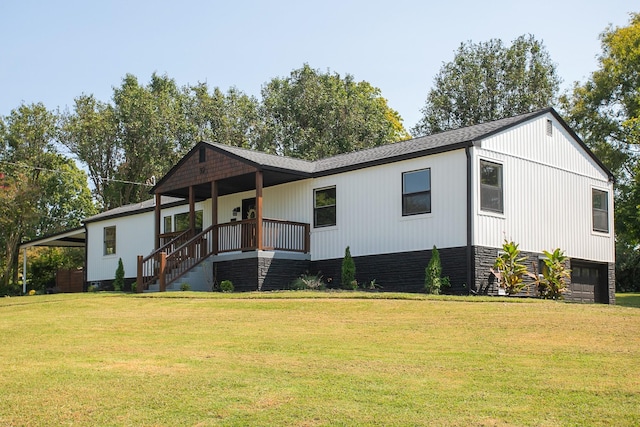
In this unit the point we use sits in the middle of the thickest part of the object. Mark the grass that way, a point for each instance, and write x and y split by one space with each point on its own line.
316 359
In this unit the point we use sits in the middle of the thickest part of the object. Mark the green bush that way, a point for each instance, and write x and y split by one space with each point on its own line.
307 281
118 282
226 286
555 276
509 268
433 280
348 271
185 287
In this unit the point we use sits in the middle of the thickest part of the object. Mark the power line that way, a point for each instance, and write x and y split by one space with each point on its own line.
149 183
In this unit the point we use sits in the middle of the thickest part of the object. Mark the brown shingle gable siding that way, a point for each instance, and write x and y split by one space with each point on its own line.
191 171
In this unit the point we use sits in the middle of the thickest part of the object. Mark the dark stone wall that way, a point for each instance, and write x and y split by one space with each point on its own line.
278 273
243 273
485 282
611 275
260 273
398 272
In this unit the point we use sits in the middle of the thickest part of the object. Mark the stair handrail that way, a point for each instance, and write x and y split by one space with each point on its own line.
142 283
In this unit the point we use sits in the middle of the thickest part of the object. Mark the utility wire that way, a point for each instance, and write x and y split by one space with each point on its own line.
150 183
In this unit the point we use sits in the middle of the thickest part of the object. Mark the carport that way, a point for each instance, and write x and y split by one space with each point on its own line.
74 238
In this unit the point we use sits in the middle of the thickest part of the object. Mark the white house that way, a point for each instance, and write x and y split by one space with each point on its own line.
261 220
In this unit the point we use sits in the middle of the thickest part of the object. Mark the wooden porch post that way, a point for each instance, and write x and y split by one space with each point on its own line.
158 210
259 210
192 209
214 215
139 275
162 279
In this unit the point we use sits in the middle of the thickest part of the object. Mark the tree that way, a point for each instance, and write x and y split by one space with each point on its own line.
312 115
230 118
605 112
42 192
488 81
348 271
433 281
90 132
118 281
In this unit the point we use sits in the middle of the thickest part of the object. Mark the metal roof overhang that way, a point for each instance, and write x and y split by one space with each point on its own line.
74 238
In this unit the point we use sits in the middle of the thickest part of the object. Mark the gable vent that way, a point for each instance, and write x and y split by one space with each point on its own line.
549 127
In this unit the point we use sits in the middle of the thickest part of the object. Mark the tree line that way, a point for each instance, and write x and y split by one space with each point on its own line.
144 129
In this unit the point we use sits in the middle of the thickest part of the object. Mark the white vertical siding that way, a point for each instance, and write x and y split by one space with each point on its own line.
547 183
369 209
134 236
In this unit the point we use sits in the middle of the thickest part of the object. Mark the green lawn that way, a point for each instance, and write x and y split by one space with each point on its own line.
315 359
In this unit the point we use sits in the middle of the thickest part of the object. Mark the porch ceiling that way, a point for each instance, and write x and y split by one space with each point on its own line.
236 184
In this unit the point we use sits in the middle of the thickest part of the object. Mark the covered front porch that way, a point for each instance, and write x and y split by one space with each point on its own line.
207 173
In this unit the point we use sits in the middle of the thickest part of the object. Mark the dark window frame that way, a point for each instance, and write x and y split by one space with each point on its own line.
599 211
486 189
331 208
109 247
407 196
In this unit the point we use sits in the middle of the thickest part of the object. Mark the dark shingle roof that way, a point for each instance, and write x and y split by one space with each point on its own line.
147 205
439 142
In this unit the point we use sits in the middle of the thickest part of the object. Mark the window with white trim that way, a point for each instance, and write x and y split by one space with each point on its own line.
491 191
324 207
416 192
600 210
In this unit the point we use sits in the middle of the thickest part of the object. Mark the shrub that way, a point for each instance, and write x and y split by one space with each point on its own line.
306 281
555 275
118 282
185 287
32 292
226 286
509 269
348 271
433 280
134 287
92 288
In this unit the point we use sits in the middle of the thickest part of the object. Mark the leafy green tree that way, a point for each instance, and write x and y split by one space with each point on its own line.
348 277
151 135
489 81
605 112
312 115
42 192
227 118
90 133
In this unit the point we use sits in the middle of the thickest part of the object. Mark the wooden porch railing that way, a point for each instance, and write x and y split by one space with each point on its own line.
149 267
168 266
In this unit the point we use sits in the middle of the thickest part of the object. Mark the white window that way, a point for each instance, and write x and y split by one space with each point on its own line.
416 192
600 210
491 194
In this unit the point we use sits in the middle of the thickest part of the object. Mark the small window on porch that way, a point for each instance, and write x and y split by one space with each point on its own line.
110 240
182 221
324 207
167 224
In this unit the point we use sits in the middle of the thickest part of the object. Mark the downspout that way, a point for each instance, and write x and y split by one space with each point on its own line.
24 272
470 265
85 272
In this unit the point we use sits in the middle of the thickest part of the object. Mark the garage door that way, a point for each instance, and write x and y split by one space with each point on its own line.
589 283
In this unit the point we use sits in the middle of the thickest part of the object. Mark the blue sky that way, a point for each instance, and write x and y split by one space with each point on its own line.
53 51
